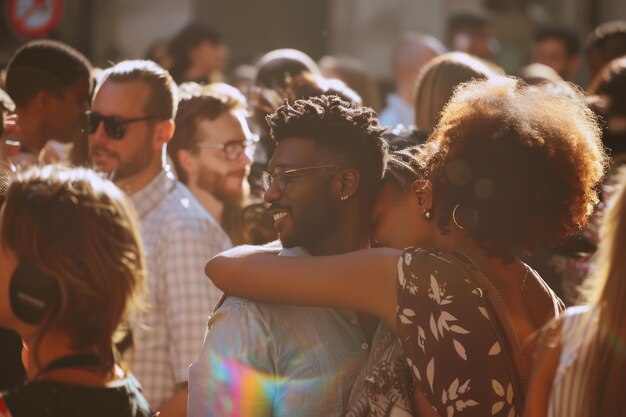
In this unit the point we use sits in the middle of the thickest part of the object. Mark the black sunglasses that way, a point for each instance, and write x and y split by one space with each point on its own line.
114 126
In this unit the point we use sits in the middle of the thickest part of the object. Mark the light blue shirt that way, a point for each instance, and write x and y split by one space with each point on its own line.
264 359
397 112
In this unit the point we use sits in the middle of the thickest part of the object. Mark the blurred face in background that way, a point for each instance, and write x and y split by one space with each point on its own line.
209 56
221 163
553 53
477 42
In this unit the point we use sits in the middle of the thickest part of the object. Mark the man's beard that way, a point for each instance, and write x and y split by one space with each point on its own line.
137 163
135 166
216 184
125 169
315 222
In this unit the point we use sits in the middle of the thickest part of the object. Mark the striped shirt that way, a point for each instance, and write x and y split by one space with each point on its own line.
578 345
179 237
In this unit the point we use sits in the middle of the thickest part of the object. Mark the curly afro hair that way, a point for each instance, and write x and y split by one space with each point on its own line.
348 134
519 166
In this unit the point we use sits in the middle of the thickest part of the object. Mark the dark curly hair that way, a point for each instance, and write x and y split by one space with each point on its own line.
520 165
350 135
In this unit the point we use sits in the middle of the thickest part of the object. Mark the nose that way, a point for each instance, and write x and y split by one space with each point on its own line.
247 159
273 193
243 160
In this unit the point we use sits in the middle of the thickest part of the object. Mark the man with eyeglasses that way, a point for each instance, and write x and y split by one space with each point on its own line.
212 151
131 122
274 360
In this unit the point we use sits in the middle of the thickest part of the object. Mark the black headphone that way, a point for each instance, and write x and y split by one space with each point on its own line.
32 294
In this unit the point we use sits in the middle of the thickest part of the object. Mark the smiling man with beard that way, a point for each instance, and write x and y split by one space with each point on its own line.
212 151
276 360
130 125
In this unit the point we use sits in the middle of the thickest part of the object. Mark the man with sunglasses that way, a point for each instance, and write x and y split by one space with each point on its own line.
131 122
274 360
212 151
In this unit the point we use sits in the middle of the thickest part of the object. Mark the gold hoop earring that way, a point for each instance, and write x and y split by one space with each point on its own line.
454 217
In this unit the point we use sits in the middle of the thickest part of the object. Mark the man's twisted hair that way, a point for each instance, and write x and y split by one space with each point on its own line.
346 134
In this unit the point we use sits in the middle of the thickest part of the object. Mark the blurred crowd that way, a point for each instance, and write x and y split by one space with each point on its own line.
452 248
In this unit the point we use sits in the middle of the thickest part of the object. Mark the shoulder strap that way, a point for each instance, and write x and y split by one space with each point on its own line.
503 326
558 308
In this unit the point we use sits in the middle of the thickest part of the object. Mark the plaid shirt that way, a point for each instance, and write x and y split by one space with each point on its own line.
179 237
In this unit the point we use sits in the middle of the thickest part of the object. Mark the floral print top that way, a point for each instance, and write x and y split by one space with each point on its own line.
452 345
384 386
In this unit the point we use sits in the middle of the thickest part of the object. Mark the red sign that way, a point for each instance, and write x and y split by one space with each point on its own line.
33 18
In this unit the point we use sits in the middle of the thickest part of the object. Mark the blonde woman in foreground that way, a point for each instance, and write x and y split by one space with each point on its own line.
580 369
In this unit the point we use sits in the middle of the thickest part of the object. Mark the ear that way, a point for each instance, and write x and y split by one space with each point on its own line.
187 161
346 183
423 192
41 99
164 132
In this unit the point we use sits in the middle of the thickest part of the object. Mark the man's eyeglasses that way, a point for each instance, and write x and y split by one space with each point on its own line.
234 148
280 175
114 126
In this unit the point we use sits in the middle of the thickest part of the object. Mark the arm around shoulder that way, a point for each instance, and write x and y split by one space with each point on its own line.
176 406
363 280
227 263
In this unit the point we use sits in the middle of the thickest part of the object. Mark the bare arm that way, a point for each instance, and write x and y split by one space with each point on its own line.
364 280
544 370
176 405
